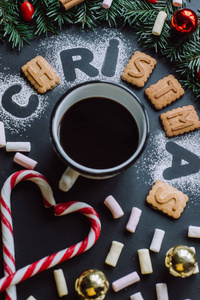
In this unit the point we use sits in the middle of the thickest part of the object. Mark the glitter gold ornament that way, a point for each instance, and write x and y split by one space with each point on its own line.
181 261
92 285
185 21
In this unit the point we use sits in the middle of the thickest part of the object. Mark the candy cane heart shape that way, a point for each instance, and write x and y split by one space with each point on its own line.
6 217
47 262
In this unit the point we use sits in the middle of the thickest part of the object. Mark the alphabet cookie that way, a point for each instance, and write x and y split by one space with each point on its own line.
164 92
40 74
180 120
138 69
168 199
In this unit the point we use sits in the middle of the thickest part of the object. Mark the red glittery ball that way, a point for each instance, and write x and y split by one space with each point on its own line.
185 21
199 75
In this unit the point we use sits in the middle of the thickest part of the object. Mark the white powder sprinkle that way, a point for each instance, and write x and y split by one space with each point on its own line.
50 49
156 159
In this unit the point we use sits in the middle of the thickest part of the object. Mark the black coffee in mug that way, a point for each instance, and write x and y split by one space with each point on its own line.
98 133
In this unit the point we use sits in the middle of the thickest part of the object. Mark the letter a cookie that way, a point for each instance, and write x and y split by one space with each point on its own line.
40 74
164 92
138 69
168 199
180 120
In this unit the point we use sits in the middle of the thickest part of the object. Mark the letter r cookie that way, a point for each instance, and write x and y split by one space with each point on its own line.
40 74
138 69
180 120
164 92
168 199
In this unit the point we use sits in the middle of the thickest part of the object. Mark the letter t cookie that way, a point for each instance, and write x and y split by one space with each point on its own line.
40 74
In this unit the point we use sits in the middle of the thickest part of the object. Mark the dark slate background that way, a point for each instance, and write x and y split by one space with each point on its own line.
38 233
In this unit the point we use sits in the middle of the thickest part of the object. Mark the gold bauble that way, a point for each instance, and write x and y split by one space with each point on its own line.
92 284
181 261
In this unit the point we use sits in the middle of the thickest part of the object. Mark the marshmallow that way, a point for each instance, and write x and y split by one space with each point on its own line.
18 146
31 298
177 3
114 207
136 296
194 231
125 281
159 23
145 261
133 219
25 161
157 240
2 135
114 253
60 282
161 291
107 3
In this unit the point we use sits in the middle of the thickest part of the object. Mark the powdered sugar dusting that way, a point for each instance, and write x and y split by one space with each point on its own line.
156 159
50 48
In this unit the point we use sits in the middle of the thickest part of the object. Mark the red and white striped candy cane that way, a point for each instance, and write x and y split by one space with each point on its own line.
6 218
60 256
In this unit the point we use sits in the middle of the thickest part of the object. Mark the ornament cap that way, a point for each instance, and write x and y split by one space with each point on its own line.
181 261
92 284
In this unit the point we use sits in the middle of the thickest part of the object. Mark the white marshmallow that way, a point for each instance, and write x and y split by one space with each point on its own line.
114 207
157 240
60 283
194 231
125 281
159 23
114 253
107 3
18 146
136 296
31 298
177 3
134 219
145 261
25 161
161 291
2 135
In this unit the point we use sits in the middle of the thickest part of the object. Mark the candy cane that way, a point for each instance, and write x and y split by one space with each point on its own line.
49 261
6 218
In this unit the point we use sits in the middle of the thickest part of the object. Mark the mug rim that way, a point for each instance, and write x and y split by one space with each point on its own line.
91 172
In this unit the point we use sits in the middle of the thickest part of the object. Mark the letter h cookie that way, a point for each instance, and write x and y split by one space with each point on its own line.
40 74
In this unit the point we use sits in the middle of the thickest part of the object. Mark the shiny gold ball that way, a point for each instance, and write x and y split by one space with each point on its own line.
92 284
181 261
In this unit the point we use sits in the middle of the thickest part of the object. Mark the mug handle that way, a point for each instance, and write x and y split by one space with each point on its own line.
68 179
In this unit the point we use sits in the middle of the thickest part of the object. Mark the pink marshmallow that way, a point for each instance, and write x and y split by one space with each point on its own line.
114 207
107 3
125 281
134 219
25 161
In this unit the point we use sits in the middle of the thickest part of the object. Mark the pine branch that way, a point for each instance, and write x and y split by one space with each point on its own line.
11 25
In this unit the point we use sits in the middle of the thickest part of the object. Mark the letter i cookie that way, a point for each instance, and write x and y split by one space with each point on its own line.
138 69
168 199
40 74
180 120
164 92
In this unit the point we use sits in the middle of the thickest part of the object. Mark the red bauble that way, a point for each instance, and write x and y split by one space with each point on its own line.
152 1
185 21
198 75
26 11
